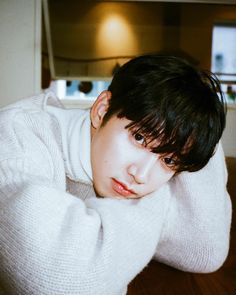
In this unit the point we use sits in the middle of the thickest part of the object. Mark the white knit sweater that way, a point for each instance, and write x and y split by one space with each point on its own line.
57 237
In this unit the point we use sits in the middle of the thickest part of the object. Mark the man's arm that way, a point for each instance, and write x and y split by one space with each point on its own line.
52 242
196 233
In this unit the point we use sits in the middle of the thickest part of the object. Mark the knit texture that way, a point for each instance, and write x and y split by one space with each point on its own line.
57 237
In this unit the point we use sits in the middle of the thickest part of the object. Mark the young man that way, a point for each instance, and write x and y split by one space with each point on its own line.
88 198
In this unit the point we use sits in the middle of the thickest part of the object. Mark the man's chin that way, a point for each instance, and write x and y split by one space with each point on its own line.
122 197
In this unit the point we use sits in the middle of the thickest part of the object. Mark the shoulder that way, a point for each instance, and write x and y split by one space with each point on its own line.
38 101
26 128
29 105
33 107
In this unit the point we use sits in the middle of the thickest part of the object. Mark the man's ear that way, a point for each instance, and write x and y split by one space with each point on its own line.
100 108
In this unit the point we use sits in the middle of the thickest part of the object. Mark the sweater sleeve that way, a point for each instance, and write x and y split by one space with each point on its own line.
196 233
54 243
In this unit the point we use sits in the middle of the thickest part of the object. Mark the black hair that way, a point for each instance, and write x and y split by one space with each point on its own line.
178 108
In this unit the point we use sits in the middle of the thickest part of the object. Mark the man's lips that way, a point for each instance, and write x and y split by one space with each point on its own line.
121 188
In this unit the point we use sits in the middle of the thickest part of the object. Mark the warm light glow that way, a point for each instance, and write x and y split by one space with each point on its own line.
115 37
113 25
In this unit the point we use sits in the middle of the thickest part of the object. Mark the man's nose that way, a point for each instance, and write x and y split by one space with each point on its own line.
140 169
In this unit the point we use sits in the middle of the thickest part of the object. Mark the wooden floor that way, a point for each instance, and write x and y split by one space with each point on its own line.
160 279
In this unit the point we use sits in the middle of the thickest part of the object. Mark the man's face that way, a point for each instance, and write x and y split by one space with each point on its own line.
122 167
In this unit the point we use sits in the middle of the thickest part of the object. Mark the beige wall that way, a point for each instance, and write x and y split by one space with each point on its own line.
20 49
141 29
103 30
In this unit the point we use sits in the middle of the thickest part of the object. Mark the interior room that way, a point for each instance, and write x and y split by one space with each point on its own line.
87 41
83 44
75 47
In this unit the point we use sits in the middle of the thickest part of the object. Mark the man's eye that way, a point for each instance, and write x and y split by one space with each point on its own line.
169 161
139 138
